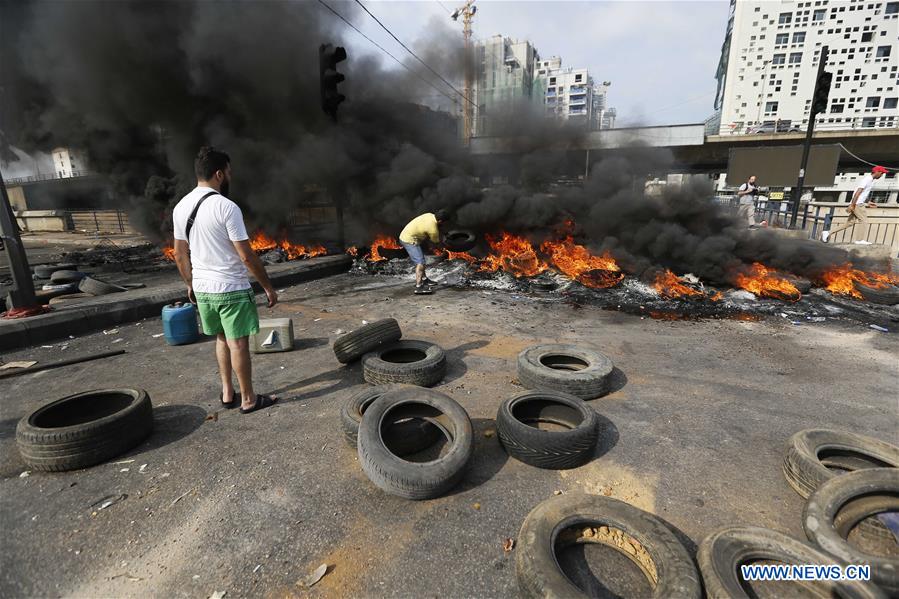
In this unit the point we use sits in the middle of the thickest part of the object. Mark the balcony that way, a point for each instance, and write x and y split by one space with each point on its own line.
577 110
577 100
577 89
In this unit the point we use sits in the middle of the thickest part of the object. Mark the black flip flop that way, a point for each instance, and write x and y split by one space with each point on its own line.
230 405
262 401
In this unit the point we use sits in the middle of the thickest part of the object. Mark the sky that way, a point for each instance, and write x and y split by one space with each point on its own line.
660 56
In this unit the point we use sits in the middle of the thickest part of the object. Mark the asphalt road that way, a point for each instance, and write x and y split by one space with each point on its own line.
251 504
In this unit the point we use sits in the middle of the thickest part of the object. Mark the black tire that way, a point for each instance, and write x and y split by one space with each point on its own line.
548 449
415 480
801 284
809 452
45 271
356 344
538 571
69 298
827 523
578 371
888 296
393 254
459 241
411 362
98 287
67 276
404 438
84 429
721 554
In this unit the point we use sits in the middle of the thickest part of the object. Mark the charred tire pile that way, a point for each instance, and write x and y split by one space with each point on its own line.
84 429
67 276
459 241
887 296
97 287
46 271
841 503
405 437
411 362
415 480
810 452
542 448
597 519
367 338
722 553
577 371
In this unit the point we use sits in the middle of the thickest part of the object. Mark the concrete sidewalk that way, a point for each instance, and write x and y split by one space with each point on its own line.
118 308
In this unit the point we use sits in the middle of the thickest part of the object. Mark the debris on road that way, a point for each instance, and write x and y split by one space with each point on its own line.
60 363
476 506
880 328
111 332
179 498
158 335
313 578
142 469
489 433
19 364
25 474
214 417
107 501
123 462
218 595
508 545
126 576
557 492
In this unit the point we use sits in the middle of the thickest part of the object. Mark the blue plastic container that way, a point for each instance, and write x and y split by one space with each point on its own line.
179 323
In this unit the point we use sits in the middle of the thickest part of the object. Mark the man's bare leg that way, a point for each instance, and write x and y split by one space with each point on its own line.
243 367
223 355
419 274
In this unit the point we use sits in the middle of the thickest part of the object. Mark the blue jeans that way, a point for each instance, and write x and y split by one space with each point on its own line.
414 251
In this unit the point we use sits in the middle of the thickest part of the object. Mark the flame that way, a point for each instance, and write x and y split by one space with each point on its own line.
576 262
514 255
382 241
456 255
669 286
767 282
260 242
352 251
168 253
841 280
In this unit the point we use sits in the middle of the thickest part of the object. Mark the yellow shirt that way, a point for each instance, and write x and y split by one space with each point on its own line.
421 228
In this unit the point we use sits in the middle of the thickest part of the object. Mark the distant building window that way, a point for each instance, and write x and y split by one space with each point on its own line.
541 72
819 15
869 121
795 57
785 17
798 37
552 80
883 51
867 36
892 8
578 77
836 108
770 106
890 102
782 38
873 102
779 59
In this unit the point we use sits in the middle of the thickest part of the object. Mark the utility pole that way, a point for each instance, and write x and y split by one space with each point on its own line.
819 104
467 11
21 296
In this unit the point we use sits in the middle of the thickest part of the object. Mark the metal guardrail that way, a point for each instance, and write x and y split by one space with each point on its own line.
45 177
786 126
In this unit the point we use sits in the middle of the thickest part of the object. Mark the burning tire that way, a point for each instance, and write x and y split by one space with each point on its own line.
887 295
577 371
557 450
84 429
356 344
406 437
722 553
459 241
393 253
410 362
579 519
415 480
98 287
801 284
67 276
810 455
839 504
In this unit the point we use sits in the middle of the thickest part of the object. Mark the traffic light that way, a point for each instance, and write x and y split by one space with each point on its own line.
822 91
328 57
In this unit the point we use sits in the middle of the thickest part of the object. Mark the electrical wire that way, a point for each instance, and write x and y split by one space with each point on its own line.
448 11
414 55
381 48
845 149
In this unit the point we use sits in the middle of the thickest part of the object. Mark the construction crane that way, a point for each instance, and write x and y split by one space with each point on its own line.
467 11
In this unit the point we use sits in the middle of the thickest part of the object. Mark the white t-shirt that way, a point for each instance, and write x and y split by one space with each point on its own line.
749 197
865 185
216 265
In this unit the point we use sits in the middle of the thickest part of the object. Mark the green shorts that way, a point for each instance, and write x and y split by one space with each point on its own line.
233 313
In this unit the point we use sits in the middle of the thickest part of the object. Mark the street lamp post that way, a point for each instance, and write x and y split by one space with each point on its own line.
21 296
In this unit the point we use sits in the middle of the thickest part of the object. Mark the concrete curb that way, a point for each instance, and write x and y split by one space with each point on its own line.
119 308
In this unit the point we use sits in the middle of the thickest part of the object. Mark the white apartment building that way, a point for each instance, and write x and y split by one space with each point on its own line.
770 58
570 94
68 163
505 78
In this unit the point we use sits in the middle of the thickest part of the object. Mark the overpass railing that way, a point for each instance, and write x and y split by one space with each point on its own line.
782 127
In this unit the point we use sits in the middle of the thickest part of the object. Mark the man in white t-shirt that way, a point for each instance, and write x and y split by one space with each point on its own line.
213 254
858 207
748 194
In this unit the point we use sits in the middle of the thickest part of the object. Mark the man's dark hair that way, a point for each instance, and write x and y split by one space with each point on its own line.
441 215
209 160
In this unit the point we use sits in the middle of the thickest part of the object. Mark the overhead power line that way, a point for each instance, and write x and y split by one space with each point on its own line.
382 49
865 161
426 65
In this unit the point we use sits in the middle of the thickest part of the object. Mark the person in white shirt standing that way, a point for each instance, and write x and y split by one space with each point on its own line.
213 253
748 194
858 208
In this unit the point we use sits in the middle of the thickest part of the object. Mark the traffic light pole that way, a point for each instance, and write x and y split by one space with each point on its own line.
22 294
806 147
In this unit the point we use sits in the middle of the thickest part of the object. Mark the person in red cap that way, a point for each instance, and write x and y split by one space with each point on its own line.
858 208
